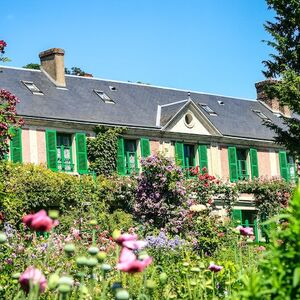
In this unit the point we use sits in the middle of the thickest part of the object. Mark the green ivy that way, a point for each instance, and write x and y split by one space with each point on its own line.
102 150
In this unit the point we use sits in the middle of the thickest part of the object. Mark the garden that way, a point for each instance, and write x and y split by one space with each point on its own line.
155 235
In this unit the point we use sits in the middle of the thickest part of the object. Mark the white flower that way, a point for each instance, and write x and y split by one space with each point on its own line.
198 208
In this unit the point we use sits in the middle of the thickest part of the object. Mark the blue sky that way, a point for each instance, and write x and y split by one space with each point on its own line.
209 46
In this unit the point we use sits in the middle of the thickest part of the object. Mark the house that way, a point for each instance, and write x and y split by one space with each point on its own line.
224 134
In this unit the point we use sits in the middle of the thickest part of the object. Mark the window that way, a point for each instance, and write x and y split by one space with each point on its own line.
131 162
189 120
104 97
238 163
64 152
185 156
33 88
288 170
208 109
261 115
59 152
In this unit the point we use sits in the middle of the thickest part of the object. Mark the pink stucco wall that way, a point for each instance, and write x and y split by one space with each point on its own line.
154 147
264 165
41 144
224 162
25 145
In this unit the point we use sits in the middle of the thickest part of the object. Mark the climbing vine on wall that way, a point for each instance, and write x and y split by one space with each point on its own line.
102 150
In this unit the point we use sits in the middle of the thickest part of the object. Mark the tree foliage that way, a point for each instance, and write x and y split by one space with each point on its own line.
284 65
32 66
102 150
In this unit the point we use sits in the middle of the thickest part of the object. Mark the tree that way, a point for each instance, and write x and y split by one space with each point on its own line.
33 66
8 115
284 65
75 71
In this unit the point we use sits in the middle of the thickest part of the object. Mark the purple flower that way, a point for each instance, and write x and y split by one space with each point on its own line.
214 268
32 276
245 230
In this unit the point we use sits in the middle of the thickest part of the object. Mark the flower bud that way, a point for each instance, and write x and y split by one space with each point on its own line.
53 281
122 295
65 280
91 262
93 250
81 261
3 238
69 248
116 233
64 288
53 214
163 277
150 284
101 256
105 267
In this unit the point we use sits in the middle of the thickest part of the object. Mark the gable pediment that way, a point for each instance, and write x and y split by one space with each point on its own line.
187 118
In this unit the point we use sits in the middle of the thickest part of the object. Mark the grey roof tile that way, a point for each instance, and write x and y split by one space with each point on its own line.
135 104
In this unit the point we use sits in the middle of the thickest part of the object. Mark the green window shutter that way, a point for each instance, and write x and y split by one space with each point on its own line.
120 157
284 172
81 153
203 161
236 216
232 160
16 146
179 154
51 149
145 147
254 163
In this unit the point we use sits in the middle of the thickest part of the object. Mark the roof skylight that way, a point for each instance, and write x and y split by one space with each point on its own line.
208 109
32 88
261 115
104 97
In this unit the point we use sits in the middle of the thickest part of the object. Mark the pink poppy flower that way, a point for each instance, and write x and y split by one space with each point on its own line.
129 263
134 245
215 268
125 238
32 276
39 221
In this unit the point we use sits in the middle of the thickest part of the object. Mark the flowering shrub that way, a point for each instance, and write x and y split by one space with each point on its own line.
160 200
271 195
206 189
163 242
8 119
3 44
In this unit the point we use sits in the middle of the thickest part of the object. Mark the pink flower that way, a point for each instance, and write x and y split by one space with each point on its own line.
246 231
32 276
214 268
260 248
134 245
129 263
125 238
39 221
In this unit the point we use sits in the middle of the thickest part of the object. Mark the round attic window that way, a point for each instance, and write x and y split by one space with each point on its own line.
189 120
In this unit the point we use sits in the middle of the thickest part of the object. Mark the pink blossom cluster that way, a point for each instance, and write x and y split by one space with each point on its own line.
128 261
39 221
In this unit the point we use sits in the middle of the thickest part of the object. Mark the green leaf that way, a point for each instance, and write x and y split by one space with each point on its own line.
296 277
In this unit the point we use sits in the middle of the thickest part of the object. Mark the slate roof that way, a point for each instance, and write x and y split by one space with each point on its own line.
135 104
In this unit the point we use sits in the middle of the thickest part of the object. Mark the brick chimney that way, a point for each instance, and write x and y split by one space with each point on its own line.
273 104
52 62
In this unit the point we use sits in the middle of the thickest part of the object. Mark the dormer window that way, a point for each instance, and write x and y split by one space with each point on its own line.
32 88
104 97
208 109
